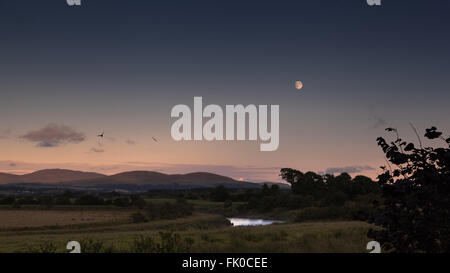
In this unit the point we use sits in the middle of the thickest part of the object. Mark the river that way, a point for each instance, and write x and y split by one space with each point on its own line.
251 222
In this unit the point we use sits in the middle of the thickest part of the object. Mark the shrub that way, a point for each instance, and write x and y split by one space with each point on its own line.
44 247
220 194
143 244
138 217
63 200
121 202
9 200
168 210
322 213
92 246
169 242
415 213
88 199
227 204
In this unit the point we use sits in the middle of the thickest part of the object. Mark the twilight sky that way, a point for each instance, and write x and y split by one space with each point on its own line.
69 73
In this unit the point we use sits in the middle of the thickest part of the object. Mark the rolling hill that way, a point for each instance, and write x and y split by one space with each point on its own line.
6 178
49 176
133 180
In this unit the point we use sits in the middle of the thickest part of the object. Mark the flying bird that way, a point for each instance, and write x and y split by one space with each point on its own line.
101 135
155 139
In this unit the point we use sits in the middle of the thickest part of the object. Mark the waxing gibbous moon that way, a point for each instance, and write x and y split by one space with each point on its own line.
298 85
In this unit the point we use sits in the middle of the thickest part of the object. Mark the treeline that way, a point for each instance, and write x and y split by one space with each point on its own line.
68 199
314 197
167 210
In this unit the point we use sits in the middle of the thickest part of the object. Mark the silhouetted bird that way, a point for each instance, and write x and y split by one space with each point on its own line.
155 139
101 135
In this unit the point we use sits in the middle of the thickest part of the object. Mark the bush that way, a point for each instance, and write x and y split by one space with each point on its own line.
143 244
46 201
44 247
94 246
7 200
168 210
138 217
322 213
169 242
88 199
121 202
62 200
220 194
28 200
227 204
415 213
137 201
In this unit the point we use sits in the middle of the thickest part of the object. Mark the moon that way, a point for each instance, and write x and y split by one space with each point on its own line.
298 85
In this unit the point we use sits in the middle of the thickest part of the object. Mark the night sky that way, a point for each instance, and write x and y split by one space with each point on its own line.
120 66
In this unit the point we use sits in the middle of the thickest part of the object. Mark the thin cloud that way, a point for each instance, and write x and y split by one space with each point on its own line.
349 169
95 150
5 134
54 135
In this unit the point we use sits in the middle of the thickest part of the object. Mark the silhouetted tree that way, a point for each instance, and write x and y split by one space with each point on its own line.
220 194
416 188
89 199
46 201
138 201
304 183
265 189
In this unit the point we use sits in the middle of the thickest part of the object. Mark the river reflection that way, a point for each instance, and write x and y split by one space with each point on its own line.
251 222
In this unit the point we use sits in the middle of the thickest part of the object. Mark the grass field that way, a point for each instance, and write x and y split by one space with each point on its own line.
200 205
33 230
42 218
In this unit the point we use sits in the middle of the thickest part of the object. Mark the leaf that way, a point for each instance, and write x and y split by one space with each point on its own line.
409 147
432 134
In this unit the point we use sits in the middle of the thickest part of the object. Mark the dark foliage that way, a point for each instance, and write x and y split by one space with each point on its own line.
416 188
315 196
220 194
9 200
334 188
168 242
138 217
180 208
89 199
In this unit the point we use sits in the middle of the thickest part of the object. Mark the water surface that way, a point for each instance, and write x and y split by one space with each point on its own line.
251 222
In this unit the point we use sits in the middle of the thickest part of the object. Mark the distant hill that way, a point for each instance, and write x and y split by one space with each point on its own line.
8 178
50 176
133 181
149 180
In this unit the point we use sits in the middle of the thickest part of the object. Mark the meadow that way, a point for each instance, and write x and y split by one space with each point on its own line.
28 218
206 230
